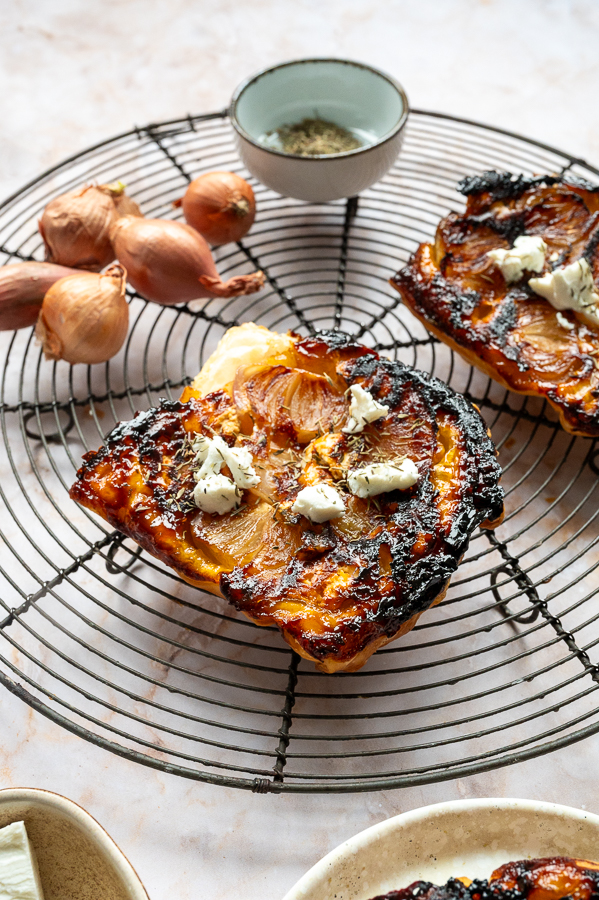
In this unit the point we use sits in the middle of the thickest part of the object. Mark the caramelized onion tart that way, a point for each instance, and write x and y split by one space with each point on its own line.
552 878
504 326
337 589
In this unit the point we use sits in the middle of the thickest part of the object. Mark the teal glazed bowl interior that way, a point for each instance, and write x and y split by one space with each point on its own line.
367 102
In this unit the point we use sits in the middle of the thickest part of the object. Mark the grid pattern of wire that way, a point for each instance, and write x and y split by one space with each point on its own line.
107 642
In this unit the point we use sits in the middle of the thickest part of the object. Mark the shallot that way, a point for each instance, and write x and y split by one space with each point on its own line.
22 289
85 317
220 205
76 226
170 263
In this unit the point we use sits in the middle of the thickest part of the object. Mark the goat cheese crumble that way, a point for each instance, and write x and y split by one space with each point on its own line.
19 875
570 287
565 323
378 478
528 253
363 409
214 492
319 503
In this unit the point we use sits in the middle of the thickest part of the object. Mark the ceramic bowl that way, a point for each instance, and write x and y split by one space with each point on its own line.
76 857
464 837
351 94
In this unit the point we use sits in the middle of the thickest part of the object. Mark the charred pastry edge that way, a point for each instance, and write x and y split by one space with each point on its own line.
330 664
408 282
509 186
439 396
570 420
480 504
481 456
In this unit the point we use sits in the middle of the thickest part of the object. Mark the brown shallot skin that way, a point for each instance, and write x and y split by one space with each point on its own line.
22 289
85 317
169 262
75 227
220 205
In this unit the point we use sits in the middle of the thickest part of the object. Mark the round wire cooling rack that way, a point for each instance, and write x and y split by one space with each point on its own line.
102 639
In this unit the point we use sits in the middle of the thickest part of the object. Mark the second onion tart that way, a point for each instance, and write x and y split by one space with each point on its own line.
505 327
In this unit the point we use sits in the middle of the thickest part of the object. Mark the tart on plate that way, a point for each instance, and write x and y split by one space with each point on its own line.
553 878
510 285
314 484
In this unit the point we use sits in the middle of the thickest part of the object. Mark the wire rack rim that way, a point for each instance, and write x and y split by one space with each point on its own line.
275 783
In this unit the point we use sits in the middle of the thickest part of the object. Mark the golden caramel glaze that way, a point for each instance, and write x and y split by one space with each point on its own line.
555 878
549 879
339 590
507 330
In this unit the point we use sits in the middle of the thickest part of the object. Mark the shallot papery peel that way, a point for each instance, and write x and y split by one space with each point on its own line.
22 289
85 317
169 262
75 227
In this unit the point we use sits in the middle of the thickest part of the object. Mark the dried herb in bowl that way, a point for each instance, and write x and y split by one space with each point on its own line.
316 137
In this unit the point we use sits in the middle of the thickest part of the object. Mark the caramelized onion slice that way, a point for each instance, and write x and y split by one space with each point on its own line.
254 532
293 401
233 540
551 351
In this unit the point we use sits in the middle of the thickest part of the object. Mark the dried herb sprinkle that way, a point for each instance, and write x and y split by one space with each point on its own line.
315 137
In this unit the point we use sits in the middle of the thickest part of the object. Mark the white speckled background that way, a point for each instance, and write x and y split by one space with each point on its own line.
74 73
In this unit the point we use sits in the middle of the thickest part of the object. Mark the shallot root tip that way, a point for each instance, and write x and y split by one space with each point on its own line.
116 188
234 287
240 207
116 270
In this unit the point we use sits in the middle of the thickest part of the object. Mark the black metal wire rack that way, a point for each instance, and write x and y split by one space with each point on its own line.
105 641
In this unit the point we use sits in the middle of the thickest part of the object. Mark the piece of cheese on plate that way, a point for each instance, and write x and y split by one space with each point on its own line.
19 874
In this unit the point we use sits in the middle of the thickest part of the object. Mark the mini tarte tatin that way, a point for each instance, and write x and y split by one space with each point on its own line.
314 484
510 284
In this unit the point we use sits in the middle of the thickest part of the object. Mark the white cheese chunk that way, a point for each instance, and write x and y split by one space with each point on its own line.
239 461
208 456
213 453
378 478
528 253
565 323
363 408
214 492
570 287
19 875
319 503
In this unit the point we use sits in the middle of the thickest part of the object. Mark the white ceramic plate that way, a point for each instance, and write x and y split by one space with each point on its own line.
76 857
463 837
